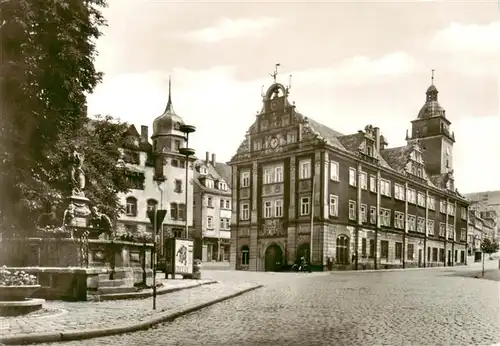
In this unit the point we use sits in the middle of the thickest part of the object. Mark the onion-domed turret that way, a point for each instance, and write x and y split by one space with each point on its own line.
431 108
168 123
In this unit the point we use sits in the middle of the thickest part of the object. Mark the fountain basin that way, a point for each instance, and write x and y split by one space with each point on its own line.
17 293
21 307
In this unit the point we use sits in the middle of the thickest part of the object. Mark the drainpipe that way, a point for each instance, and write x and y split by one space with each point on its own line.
426 225
403 252
377 218
359 222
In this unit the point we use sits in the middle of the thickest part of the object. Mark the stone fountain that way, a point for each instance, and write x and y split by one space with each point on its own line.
76 258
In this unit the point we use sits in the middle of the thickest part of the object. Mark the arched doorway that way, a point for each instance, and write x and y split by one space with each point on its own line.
273 258
304 250
342 249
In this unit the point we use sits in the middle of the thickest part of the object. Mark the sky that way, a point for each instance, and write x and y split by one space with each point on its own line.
352 64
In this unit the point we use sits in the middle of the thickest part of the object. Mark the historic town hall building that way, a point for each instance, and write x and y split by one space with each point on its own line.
360 204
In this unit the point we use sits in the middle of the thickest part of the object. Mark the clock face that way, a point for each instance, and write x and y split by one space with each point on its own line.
274 105
274 142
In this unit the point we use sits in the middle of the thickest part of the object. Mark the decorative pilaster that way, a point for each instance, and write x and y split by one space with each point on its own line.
455 223
467 237
359 218
317 184
446 232
326 205
291 231
234 248
326 180
254 228
255 176
377 229
403 252
317 236
426 226
406 208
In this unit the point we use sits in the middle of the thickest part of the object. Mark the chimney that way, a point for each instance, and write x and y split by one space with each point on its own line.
213 160
207 157
144 133
377 140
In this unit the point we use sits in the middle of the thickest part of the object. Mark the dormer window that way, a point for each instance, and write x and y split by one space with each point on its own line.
209 183
222 186
177 126
257 145
203 170
369 151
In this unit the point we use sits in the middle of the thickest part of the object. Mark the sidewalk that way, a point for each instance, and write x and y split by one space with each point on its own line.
62 321
489 274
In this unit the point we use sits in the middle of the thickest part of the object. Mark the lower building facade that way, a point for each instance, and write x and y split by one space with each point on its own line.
334 247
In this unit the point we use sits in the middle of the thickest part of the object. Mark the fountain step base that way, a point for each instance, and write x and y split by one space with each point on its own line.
20 307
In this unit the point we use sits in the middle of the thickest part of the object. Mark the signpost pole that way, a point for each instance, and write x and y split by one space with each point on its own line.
156 217
154 258
482 255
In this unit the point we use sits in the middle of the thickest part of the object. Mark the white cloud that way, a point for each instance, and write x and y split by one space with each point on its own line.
222 108
360 70
458 38
477 164
229 29
471 50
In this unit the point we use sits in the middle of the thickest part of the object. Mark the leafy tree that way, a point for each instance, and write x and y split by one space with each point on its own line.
488 246
47 69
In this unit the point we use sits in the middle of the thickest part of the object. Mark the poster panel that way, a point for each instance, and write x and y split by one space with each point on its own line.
183 256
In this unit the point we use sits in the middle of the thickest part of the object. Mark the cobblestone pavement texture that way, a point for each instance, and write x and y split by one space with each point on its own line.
413 307
67 316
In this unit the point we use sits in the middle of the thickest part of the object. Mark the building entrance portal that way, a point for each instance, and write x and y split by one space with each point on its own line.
273 258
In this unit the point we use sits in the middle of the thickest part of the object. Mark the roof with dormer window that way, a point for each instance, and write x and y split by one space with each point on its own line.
391 159
221 172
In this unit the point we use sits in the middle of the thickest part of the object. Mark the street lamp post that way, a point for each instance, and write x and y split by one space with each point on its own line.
187 152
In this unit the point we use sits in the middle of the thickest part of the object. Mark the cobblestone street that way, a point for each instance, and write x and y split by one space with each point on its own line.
413 307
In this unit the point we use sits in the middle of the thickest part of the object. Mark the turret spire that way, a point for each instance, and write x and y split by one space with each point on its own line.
170 107
432 77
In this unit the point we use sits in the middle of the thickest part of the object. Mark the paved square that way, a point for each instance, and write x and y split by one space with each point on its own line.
412 307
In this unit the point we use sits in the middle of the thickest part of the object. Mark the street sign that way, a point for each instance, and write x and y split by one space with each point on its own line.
160 216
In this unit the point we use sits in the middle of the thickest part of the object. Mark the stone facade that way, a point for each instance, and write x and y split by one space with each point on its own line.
297 183
212 209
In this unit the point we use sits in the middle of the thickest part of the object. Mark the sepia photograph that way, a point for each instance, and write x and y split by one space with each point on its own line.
250 172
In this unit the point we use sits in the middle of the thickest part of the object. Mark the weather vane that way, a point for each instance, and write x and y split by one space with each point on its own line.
275 72
432 77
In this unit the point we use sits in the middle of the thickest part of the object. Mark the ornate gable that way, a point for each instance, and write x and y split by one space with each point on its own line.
277 128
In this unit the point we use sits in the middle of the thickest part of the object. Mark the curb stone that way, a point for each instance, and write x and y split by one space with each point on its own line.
392 270
148 294
128 328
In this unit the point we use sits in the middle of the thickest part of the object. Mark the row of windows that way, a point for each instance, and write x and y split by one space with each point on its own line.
415 224
275 175
411 195
225 223
177 210
220 185
224 203
432 253
131 206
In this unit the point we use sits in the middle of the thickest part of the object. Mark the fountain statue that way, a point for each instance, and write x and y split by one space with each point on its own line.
78 212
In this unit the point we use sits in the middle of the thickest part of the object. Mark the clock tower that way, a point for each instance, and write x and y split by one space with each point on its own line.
432 130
